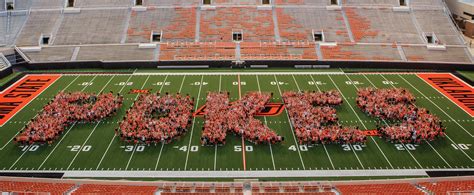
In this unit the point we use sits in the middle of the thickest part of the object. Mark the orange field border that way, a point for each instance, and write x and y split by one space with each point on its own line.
453 88
21 93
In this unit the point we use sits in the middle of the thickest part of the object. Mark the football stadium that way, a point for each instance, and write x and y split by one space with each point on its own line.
235 97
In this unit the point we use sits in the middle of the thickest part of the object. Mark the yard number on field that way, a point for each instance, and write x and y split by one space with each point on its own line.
356 147
185 148
238 148
163 83
389 83
199 83
354 83
125 83
461 146
131 148
77 148
31 148
303 148
241 83
408 146
278 83
315 83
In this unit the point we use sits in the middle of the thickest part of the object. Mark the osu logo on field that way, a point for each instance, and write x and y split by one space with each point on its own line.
139 91
271 109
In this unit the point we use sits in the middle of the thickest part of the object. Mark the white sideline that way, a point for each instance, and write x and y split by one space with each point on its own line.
242 174
235 73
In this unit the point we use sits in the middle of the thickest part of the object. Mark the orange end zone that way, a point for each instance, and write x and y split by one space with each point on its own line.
14 98
453 88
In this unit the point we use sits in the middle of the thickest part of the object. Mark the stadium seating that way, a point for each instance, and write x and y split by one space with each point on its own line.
115 189
442 186
35 187
379 188
445 187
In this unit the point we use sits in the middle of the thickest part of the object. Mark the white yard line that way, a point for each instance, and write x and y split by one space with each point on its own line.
439 109
194 121
234 73
115 135
163 143
135 147
59 143
465 130
345 100
93 130
266 123
324 145
215 147
291 125
387 123
390 163
18 159
87 139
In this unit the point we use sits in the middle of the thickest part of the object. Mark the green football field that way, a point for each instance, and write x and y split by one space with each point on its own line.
95 146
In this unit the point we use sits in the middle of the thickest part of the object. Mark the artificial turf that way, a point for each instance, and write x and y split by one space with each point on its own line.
107 152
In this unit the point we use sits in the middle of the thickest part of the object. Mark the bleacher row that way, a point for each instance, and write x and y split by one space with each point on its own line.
44 4
368 30
297 188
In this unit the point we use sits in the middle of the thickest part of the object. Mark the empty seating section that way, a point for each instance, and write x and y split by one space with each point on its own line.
421 53
278 51
177 24
438 22
361 52
102 3
47 4
92 27
115 53
197 51
114 189
39 23
427 4
218 25
301 2
386 3
52 54
35 187
296 24
447 187
404 188
382 26
10 27
236 2
360 25
172 2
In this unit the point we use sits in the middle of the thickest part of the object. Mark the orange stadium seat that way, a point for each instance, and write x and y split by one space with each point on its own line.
115 189
405 188
35 187
444 187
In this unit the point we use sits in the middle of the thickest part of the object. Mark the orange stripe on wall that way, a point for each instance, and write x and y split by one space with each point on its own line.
13 99
453 88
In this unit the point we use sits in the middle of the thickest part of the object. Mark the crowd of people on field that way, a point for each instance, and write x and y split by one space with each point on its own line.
397 104
314 118
66 109
222 117
156 118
